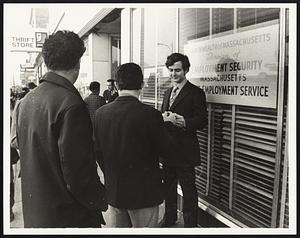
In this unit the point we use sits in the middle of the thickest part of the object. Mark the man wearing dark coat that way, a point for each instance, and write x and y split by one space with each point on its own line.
185 103
130 136
94 100
60 184
111 93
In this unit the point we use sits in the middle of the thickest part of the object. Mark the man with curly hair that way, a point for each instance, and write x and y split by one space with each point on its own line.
60 184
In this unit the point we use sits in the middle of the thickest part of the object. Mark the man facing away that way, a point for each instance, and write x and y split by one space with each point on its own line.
130 137
60 184
94 100
111 93
185 103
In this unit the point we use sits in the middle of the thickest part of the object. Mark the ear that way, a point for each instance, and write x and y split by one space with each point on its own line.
142 84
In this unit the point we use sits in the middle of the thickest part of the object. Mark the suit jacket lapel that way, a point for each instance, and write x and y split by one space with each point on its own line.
165 105
183 92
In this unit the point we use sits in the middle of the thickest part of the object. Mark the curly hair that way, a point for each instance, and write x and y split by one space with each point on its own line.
175 57
129 76
62 50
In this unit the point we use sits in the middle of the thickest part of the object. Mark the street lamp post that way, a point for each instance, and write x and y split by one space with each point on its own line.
170 48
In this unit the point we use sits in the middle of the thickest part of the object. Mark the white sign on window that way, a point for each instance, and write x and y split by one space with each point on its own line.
240 68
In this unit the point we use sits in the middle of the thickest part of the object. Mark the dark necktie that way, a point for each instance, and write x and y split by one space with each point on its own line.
173 96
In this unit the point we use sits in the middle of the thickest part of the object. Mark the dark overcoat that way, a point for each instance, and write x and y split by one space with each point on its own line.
60 184
191 104
130 137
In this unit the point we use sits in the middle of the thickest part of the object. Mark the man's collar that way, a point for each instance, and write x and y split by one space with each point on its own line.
181 84
59 80
132 93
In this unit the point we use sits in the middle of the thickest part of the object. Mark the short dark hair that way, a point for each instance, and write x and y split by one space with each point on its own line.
22 94
31 85
62 50
112 81
94 86
129 76
175 57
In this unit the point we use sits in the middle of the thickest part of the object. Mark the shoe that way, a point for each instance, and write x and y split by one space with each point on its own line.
12 216
166 223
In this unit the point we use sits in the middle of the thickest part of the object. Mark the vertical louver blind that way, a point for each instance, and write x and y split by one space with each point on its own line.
251 16
193 24
222 20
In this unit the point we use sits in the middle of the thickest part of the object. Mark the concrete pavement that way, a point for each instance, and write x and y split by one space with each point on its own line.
18 221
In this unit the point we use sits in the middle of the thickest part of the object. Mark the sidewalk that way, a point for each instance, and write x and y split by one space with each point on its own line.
18 221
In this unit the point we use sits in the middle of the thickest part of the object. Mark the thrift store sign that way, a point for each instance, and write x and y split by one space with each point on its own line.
29 41
239 69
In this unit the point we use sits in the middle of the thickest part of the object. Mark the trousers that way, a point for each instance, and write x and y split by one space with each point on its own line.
186 178
145 217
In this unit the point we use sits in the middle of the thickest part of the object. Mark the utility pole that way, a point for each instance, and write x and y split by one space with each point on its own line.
62 16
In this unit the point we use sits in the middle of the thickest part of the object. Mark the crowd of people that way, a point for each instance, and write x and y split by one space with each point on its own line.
143 152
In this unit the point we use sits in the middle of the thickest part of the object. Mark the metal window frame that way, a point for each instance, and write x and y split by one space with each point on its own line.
280 110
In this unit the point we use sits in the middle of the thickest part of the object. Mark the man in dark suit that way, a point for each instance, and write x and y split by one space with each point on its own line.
60 184
111 93
185 103
130 137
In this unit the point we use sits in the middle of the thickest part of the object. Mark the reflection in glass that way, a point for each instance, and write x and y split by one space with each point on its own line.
159 42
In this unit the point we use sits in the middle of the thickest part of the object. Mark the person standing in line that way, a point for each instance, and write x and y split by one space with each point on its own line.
111 93
187 103
130 136
94 100
60 184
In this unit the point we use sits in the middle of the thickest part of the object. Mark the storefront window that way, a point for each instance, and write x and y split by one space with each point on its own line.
251 16
158 44
166 43
238 176
222 20
193 24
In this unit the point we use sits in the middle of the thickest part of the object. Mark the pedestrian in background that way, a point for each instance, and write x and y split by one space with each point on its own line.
13 133
185 103
111 93
14 157
94 100
60 184
130 137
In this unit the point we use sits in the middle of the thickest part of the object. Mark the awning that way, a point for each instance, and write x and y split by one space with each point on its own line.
94 21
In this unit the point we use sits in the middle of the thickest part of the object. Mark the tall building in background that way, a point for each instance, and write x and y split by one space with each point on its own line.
39 18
